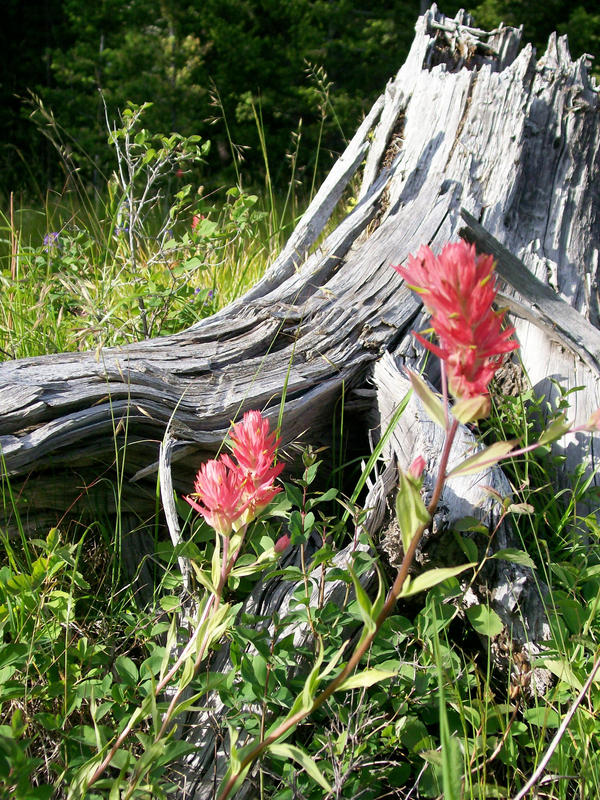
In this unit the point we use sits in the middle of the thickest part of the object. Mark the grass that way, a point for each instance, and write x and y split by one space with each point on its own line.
79 653
150 254
70 283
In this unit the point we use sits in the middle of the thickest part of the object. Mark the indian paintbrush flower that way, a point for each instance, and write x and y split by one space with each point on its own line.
458 289
230 493
219 490
255 447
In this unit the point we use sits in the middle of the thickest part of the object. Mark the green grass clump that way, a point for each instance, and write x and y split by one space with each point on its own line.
148 256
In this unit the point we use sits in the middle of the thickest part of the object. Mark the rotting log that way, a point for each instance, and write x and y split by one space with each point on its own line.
469 122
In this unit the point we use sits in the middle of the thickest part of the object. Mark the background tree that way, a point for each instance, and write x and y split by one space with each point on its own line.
248 74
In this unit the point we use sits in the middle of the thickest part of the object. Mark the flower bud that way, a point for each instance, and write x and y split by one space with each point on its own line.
282 543
416 468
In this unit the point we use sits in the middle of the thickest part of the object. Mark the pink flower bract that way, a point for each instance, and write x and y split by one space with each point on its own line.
282 543
231 493
458 289
255 448
416 468
220 492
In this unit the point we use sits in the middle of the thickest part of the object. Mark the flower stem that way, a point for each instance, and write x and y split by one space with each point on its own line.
211 603
364 645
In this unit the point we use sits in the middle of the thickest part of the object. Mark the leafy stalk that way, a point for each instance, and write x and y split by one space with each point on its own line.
365 642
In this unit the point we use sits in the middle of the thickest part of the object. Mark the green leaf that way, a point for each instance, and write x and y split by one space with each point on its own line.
126 670
206 228
364 604
308 523
467 545
294 494
204 578
330 494
169 603
431 578
366 678
216 625
413 734
411 511
290 751
430 400
470 409
470 524
334 660
10 653
312 681
174 749
485 620
310 472
192 263
187 674
256 565
215 570
554 431
562 669
296 528
484 458
542 716
515 556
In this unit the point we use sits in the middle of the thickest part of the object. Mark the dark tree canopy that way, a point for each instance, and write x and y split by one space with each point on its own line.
264 58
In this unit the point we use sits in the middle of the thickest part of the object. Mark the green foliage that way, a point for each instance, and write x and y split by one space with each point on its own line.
257 55
424 708
211 68
580 21
134 265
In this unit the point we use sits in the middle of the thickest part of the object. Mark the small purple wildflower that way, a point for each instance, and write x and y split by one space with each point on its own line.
208 297
51 240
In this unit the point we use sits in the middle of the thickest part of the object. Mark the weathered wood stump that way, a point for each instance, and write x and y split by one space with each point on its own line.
469 122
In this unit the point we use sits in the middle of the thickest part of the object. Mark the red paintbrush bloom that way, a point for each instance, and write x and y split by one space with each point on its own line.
231 493
255 449
458 289
219 487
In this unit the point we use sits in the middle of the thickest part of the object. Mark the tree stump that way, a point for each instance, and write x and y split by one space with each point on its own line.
469 122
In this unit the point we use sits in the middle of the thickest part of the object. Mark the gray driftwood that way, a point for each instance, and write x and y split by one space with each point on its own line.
472 122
